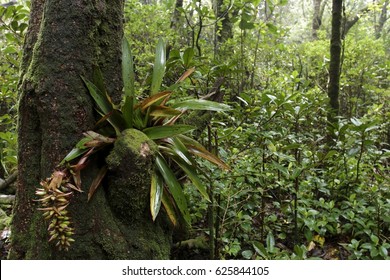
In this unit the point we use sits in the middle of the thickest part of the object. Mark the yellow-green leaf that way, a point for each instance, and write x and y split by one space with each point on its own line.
156 192
169 207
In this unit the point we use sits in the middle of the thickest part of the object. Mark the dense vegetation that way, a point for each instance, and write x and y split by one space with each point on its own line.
291 193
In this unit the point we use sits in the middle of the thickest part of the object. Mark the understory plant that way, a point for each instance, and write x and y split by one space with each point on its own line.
157 117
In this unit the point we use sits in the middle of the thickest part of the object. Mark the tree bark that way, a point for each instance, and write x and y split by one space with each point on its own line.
334 67
66 40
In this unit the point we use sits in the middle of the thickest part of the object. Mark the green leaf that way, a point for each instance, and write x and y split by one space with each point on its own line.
201 104
270 242
260 249
158 132
203 153
272 28
128 82
193 176
187 57
174 187
383 251
74 153
127 68
374 239
159 67
101 100
98 81
246 25
247 254
106 107
78 150
156 192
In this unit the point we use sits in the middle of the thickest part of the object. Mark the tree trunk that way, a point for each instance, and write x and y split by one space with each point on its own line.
66 40
176 16
382 20
334 67
318 12
316 23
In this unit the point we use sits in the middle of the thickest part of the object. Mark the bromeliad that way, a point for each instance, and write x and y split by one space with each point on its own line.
157 117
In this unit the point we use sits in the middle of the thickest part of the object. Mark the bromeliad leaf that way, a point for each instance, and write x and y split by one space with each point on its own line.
169 207
77 151
200 104
159 132
146 103
159 67
163 111
101 100
156 192
128 81
191 173
174 187
127 69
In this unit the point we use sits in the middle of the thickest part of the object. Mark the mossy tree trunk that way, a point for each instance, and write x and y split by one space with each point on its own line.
334 68
66 40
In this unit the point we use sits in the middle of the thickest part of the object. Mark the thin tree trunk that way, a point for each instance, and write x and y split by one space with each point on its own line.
382 20
335 60
66 40
317 20
176 17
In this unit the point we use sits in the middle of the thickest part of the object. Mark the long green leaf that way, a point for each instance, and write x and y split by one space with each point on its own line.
203 153
101 100
193 176
127 68
181 150
174 187
74 153
128 82
159 67
156 191
158 132
79 149
197 149
201 104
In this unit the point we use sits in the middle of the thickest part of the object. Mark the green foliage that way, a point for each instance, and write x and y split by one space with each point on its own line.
13 25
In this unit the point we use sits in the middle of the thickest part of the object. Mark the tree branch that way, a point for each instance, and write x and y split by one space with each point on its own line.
5 183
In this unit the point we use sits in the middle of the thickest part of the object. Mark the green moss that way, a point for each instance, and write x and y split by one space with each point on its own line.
130 164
